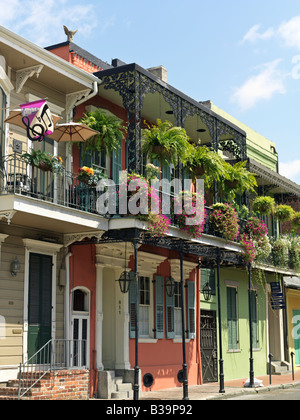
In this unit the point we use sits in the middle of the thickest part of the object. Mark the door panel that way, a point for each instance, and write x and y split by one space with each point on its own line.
39 302
208 345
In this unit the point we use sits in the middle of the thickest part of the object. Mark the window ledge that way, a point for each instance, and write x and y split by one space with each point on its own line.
234 351
148 340
179 340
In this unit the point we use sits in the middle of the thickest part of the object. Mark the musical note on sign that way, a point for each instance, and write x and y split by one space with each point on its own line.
38 120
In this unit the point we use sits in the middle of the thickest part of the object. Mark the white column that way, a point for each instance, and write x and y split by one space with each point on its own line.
122 326
99 314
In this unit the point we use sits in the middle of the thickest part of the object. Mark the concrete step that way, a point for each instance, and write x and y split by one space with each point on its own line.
120 395
118 380
123 387
280 368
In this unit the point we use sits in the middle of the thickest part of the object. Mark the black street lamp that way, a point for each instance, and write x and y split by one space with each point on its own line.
124 282
207 292
170 286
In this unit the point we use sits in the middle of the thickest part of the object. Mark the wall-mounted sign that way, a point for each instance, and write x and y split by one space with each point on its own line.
38 120
277 297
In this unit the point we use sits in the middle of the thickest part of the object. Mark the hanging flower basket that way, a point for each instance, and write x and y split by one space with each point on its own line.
90 176
44 161
44 166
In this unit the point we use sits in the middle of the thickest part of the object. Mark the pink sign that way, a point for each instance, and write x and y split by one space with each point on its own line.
38 120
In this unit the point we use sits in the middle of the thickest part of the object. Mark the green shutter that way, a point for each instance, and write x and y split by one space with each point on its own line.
191 309
232 318
132 302
170 328
117 165
159 307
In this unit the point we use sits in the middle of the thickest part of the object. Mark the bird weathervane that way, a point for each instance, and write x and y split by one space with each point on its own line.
70 34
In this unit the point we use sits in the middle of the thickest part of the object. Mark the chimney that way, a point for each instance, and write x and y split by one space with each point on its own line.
160 72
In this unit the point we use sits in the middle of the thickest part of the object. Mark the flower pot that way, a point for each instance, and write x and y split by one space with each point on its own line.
45 167
86 182
232 184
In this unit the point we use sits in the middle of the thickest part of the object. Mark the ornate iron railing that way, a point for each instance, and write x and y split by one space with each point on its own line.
17 177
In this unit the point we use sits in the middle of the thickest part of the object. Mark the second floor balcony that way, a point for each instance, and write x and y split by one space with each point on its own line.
60 202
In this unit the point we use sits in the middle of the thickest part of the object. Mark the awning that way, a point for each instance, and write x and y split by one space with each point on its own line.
292 282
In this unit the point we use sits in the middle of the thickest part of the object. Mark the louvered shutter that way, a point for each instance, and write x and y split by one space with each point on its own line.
191 309
159 307
170 303
232 318
132 302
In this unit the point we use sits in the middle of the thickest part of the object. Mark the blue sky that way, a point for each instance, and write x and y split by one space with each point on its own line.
244 55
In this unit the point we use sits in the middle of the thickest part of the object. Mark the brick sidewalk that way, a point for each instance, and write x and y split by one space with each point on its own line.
211 391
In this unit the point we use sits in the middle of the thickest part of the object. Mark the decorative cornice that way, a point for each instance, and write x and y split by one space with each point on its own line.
71 238
73 98
24 74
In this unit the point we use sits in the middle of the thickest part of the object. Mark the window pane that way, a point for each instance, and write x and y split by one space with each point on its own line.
144 321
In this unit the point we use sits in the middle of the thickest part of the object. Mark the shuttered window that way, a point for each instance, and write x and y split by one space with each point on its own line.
232 318
159 307
132 301
170 304
191 309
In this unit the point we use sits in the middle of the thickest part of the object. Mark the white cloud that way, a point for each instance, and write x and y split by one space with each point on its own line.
253 34
260 87
290 170
42 22
290 32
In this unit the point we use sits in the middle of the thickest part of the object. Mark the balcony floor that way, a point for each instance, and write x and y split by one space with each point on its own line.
26 211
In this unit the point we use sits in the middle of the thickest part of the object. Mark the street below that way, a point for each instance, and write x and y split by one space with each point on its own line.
288 394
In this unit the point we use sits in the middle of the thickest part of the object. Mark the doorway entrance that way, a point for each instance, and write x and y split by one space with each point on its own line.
208 346
39 302
80 327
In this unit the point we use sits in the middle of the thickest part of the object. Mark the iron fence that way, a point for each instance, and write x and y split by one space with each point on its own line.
53 356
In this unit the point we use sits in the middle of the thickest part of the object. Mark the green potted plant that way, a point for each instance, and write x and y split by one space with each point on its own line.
110 128
44 161
202 161
238 179
166 143
296 220
283 213
263 205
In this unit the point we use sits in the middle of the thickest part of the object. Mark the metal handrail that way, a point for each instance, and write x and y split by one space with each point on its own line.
55 355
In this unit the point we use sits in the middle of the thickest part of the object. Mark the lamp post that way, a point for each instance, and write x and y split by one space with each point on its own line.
124 282
136 385
184 365
251 385
222 389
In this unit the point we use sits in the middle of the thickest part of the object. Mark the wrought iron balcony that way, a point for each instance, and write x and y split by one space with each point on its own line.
64 189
